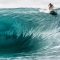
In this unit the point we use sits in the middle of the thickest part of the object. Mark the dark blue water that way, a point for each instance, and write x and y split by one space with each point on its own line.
28 34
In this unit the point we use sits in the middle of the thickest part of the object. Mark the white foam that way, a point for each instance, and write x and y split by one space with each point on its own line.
44 10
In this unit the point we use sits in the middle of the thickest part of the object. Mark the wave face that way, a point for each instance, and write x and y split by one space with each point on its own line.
29 31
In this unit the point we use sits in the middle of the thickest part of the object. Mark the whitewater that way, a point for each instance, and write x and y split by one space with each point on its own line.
29 34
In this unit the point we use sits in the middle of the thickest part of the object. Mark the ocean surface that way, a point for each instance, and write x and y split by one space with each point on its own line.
29 34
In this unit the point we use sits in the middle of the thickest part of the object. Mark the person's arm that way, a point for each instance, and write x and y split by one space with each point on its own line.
49 6
52 5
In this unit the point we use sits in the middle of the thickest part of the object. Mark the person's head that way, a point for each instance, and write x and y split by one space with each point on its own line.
49 3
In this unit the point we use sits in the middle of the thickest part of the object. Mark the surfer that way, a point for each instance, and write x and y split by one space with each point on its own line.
51 10
51 7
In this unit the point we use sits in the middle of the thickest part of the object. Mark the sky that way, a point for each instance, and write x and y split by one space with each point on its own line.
28 3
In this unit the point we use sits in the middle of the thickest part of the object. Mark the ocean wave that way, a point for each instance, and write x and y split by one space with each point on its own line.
28 30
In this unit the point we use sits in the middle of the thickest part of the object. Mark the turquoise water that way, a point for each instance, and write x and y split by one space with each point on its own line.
28 34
